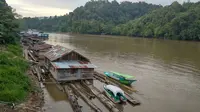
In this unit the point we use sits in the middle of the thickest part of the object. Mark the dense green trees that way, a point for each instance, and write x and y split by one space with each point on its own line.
140 19
95 17
8 24
176 21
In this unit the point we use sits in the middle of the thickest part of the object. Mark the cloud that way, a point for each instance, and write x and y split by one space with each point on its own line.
32 9
60 7
161 2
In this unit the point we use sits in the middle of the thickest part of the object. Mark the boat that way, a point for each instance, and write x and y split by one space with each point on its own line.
115 94
122 78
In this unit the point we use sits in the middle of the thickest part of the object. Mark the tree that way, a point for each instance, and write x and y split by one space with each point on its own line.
8 24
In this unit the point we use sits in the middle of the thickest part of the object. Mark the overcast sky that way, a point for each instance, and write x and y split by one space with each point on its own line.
34 8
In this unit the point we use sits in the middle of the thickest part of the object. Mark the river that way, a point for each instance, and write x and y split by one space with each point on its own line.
168 72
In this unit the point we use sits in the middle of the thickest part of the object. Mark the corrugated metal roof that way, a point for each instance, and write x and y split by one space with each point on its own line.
73 64
57 52
41 46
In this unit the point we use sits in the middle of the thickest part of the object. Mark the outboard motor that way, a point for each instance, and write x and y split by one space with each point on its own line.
122 100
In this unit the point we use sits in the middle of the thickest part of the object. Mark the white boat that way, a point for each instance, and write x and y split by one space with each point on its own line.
115 93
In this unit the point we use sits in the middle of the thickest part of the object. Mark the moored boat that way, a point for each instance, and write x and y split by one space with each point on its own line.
122 78
115 94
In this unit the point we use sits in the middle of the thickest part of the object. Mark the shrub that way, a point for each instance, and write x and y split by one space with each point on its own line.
14 84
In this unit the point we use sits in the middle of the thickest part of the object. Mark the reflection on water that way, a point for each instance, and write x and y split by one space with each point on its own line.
168 72
55 94
55 100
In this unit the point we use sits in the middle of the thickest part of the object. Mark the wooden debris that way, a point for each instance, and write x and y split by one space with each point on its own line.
72 99
93 106
32 57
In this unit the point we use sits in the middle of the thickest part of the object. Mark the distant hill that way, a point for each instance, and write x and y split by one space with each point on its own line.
95 17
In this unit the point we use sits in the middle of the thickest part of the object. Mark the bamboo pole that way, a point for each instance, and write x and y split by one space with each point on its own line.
72 99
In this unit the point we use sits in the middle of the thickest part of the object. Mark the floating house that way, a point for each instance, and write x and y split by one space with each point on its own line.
38 51
34 33
68 65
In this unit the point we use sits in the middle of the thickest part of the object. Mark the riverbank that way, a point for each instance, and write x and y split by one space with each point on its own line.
19 89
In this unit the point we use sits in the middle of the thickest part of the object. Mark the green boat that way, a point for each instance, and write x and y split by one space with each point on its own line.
122 78
115 94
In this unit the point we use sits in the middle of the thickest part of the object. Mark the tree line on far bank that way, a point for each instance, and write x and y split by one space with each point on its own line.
176 21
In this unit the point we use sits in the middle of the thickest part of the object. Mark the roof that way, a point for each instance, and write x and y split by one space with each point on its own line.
58 52
123 75
114 89
41 46
72 64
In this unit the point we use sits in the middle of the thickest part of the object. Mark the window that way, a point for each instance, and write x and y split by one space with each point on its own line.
74 71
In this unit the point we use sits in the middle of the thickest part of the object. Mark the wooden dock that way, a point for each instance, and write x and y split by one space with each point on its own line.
103 99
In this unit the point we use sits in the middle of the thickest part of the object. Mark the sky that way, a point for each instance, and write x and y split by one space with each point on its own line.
41 8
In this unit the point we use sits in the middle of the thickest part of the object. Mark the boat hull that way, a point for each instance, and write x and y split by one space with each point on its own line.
127 82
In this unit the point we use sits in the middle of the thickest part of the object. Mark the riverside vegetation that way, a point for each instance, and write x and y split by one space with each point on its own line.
175 21
14 84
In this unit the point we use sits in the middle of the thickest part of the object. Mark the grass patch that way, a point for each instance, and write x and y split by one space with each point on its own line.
14 84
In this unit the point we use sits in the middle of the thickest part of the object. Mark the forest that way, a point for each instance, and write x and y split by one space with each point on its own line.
176 21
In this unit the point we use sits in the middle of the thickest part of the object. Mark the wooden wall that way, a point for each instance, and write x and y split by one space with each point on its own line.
73 56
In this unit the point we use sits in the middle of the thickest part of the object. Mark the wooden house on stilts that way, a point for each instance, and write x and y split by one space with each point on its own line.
68 65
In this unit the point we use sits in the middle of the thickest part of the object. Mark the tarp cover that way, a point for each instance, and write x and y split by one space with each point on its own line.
72 64
123 75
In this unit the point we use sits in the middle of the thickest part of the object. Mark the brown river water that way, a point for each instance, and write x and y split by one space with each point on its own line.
168 72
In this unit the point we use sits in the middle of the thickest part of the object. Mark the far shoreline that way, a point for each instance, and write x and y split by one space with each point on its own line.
107 35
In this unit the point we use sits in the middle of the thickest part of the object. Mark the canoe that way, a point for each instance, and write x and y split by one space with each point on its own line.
122 78
115 94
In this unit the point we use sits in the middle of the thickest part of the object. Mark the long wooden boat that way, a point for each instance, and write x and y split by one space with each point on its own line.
115 94
122 78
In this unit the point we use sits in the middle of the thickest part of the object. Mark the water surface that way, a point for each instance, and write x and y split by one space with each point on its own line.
168 72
